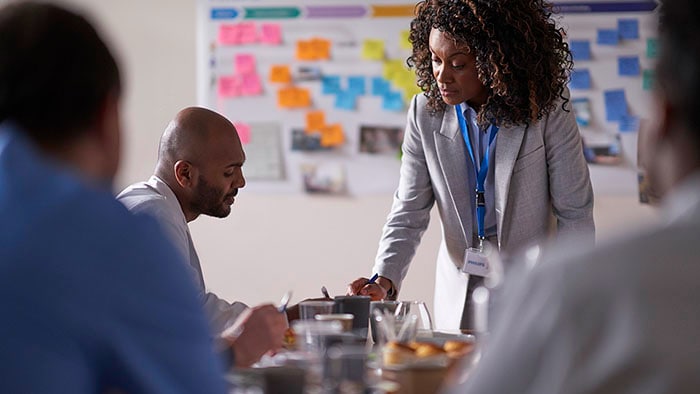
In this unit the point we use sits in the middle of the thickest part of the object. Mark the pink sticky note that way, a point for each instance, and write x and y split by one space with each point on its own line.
248 33
245 63
230 86
243 132
271 33
229 35
250 85
237 34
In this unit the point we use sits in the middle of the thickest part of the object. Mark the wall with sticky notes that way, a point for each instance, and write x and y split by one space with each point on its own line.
324 84
275 63
614 50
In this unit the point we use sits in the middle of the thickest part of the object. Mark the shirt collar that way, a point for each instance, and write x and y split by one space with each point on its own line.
167 193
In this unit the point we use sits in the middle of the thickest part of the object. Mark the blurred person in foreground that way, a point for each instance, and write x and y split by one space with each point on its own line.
492 141
199 172
90 300
623 318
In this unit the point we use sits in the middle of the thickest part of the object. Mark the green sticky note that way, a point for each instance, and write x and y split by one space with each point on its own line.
651 47
648 79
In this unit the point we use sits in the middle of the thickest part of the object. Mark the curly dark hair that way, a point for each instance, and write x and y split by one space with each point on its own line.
521 55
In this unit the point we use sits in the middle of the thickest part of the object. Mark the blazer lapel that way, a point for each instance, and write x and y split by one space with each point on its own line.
451 153
508 144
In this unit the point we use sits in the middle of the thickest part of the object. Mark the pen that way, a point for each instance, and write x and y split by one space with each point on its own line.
373 279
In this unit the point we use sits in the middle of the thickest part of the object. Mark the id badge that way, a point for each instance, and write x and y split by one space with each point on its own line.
476 262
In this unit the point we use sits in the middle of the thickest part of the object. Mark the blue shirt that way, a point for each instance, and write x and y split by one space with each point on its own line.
90 297
480 137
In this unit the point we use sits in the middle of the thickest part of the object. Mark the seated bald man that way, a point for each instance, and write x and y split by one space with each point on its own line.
199 172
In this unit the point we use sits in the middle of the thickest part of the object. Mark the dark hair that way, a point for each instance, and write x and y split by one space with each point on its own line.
55 71
521 55
678 67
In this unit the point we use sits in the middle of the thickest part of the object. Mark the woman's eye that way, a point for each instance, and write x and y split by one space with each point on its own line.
228 174
458 66
436 61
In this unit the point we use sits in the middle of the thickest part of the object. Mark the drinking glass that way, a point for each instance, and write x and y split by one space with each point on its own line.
412 318
378 336
309 309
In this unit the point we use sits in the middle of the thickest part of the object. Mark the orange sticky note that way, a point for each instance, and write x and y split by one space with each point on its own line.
321 48
229 86
332 135
243 130
280 73
315 121
271 33
293 97
305 50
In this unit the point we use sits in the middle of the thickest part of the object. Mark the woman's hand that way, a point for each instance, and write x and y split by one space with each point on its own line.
377 290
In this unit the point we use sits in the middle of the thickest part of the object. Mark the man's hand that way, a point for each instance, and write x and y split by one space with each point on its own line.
377 290
260 329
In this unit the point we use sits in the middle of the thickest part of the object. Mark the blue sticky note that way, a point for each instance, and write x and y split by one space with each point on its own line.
356 84
615 105
392 101
580 49
628 66
629 124
628 28
580 79
345 100
608 37
330 84
380 86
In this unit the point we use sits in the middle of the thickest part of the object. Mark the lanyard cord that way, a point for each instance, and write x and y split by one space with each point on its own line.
481 172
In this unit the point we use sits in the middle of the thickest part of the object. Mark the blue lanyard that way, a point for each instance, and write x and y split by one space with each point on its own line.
481 172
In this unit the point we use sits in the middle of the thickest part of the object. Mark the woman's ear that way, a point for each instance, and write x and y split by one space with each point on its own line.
185 174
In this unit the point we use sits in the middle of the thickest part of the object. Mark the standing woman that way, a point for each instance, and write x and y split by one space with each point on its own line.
494 116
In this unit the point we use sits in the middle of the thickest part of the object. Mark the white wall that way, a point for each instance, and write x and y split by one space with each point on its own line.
269 243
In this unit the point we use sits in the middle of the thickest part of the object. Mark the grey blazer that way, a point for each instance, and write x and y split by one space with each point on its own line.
541 185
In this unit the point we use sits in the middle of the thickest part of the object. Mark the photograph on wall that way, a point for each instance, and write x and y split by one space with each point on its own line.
381 140
609 154
306 142
324 178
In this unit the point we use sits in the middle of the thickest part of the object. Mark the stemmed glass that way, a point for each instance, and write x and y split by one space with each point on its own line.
412 317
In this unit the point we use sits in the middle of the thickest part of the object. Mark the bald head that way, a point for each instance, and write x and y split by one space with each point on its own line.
192 134
200 158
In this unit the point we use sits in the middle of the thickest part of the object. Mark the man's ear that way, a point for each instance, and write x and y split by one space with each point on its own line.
185 174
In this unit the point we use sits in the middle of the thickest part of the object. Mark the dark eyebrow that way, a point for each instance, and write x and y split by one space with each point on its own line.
236 164
452 55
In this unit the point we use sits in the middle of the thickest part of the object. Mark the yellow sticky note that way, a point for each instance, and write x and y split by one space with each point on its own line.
404 42
373 49
293 97
332 135
315 121
393 69
280 74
